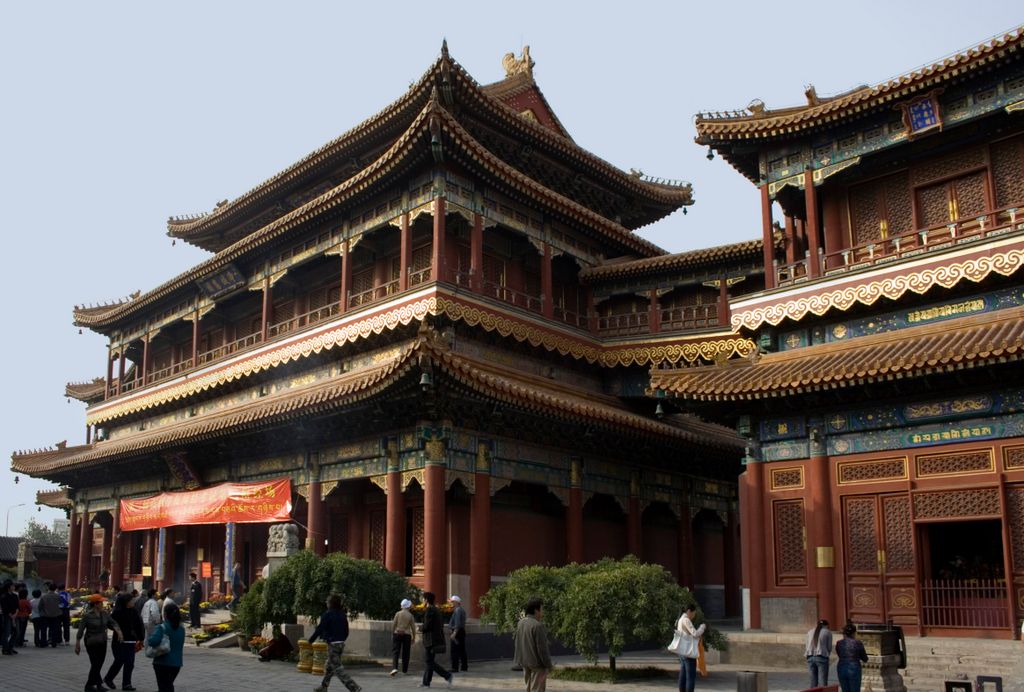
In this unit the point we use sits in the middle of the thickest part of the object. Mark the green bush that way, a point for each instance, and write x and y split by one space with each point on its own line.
250 613
608 604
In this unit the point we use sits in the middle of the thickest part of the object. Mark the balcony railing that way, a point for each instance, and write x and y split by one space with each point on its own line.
689 317
965 603
227 349
620 325
512 296
922 241
304 320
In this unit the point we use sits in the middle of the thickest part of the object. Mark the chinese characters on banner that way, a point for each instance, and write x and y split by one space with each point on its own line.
262 501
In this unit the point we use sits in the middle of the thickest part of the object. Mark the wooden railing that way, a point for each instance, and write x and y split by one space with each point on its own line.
229 348
628 323
306 319
689 317
965 603
512 296
921 241
570 317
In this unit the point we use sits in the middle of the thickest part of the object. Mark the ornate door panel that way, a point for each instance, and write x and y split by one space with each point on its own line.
880 565
965 198
934 206
880 208
970 200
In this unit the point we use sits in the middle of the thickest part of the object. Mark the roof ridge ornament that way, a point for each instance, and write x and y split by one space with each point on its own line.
523 65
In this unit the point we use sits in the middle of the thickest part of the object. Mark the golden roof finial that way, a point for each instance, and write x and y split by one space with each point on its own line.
523 65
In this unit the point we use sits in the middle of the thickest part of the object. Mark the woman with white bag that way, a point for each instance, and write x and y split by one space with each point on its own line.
689 640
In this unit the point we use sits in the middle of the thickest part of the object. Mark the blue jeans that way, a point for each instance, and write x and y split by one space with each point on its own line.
817 666
849 676
687 674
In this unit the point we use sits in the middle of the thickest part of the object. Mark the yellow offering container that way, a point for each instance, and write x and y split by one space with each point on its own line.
305 663
319 658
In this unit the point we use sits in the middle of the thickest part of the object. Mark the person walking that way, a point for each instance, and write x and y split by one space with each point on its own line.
24 613
237 586
195 597
403 634
817 650
433 642
93 626
531 647
167 667
333 629
851 653
8 618
460 662
152 615
65 614
124 650
688 661
50 612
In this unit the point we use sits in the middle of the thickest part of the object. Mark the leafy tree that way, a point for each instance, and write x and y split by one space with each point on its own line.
251 612
40 534
603 605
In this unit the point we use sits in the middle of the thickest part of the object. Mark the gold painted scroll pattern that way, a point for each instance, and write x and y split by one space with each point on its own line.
867 294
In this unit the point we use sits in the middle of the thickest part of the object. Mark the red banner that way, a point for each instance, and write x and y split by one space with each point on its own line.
242 503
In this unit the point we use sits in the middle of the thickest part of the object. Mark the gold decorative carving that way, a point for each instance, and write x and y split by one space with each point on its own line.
791 478
302 491
499 484
381 482
892 287
468 480
575 472
435 450
848 472
483 457
326 488
864 597
409 476
825 557
561 493
903 598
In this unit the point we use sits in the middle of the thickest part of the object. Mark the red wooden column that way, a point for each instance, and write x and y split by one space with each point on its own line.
110 374
819 526
71 570
547 291
792 242
145 358
120 371
591 311
268 297
315 513
686 577
752 516
813 226
394 540
105 549
437 268
404 253
766 234
723 302
476 255
480 531
574 512
195 339
346 276
654 312
355 527
116 546
84 549
434 519
635 543
732 567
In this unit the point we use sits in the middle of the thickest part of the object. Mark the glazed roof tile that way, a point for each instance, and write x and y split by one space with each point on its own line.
86 391
957 343
441 74
54 498
713 127
402 152
679 260
510 386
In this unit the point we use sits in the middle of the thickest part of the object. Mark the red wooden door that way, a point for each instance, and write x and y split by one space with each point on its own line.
965 198
880 564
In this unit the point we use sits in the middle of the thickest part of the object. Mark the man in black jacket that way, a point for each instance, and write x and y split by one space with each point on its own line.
8 611
433 642
333 628
195 597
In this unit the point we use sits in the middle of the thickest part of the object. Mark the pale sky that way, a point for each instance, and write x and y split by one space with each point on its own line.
116 115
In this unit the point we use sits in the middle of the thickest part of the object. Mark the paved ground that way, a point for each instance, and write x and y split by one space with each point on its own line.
217 670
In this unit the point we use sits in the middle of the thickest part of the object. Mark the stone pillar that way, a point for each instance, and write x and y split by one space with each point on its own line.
434 519
84 549
686 573
437 260
476 255
813 225
819 526
480 531
766 234
394 541
752 516
282 543
116 546
634 539
71 570
574 512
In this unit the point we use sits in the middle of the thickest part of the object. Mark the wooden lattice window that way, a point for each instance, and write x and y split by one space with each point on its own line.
378 530
1008 172
790 544
881 208
1015 520
419 549
862 535
419 263
898 540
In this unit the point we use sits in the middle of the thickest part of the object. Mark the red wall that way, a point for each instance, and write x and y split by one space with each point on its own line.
521 538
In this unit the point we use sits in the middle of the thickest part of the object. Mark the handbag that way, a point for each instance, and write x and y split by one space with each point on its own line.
161 649
689 646
677 640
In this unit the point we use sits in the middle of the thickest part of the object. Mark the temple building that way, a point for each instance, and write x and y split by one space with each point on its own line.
884 405
426 343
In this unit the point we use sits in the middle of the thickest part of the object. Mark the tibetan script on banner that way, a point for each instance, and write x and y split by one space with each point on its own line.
243 503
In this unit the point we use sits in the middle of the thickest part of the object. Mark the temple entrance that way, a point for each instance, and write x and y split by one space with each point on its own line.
964 585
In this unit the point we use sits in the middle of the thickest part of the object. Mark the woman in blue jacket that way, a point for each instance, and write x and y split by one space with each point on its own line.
168 666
